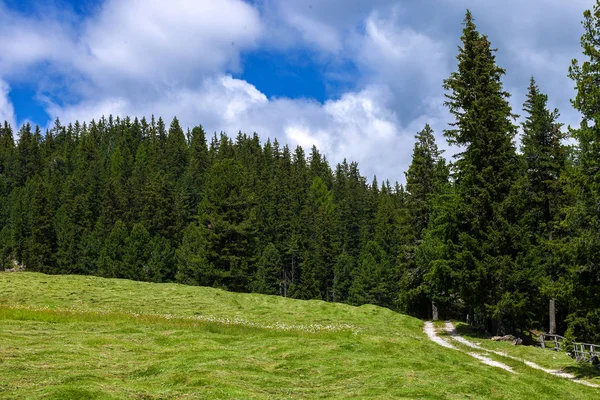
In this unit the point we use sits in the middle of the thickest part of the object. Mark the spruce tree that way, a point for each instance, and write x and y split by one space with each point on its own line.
484 172
176 151
425 178
582 219
267 278
545 159
219 249
425 174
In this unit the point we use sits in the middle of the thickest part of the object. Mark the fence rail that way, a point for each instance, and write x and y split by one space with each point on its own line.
581 351
552 342
585 351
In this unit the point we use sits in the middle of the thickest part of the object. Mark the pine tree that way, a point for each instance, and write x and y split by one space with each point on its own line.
199 162
582 219
483 172
424 176
136 254
176 151
545 160
111 263
39 252
7 157
161 264
267 278
219 248
425 179
28 154
316 278
7 204
373 279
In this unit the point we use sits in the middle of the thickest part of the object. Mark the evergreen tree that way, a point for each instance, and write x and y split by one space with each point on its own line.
111 263
582 219
316 278
545 159
40 246
28 154
268 272
424 176
176 151
373 279
484 172
199 162
425 179
136 254
219 249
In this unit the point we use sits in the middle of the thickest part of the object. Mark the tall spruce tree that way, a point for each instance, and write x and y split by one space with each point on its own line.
425 177
583 218
425 174
484 171
544 158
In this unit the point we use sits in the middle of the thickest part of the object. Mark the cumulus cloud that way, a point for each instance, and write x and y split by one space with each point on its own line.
7 111
166 42
359 126
143 57
161 69
28 40
412 64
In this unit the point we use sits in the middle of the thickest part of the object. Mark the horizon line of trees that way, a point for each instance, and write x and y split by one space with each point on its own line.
509 239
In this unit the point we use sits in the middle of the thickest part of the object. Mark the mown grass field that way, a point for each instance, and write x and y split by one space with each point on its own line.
76 337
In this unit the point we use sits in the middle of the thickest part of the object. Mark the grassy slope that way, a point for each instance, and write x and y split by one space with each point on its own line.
545 358
77 337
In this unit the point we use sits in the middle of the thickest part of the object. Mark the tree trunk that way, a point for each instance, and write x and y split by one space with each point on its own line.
434 311
552 316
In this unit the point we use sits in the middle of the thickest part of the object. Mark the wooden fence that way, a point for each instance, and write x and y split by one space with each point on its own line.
552 342
585 351
581 351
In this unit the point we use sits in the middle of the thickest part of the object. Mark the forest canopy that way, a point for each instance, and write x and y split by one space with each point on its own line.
498 234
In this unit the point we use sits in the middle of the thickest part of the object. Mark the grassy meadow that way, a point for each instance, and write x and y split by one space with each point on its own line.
79 337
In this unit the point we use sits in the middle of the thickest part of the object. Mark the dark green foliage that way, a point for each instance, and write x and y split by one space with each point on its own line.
426 179
483 257
267 278
374 281
130 199
494 236
220 246
582 222
111 263
540 193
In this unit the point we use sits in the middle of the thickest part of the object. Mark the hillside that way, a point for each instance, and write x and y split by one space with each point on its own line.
88 337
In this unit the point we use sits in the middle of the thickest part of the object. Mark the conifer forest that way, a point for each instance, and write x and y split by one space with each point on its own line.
498 235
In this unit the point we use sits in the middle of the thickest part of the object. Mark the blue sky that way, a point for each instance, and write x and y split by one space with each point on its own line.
357 78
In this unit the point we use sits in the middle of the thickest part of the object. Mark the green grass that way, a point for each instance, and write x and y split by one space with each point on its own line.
546 358
75 337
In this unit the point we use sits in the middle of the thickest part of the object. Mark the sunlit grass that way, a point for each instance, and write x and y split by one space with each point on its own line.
545 358
69 337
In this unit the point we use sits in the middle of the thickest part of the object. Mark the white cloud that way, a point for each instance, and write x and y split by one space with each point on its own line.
142 57
358 126
27 40
7 111
412 64
361 125
170 43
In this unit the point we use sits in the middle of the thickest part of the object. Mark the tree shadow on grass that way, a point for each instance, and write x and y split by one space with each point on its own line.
583 370
475 332
470 331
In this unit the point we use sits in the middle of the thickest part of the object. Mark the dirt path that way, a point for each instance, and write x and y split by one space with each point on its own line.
449 327
433 336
